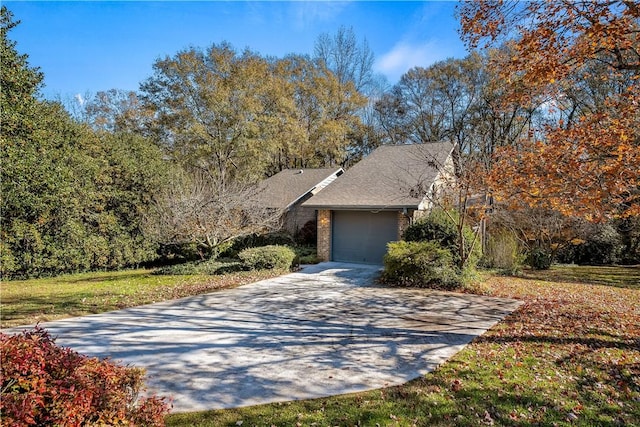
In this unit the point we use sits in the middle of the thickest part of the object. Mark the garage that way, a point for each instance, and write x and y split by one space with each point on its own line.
369 205
362 236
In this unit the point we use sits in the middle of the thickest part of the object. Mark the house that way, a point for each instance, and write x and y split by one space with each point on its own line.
376 199
289 188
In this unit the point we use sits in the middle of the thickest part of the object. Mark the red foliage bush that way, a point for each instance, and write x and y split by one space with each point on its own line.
44 384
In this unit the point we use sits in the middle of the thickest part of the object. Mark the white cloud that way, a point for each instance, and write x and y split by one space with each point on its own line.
306 14
404 56
79 99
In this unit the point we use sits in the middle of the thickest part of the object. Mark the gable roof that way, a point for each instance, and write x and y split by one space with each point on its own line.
285 188
391 177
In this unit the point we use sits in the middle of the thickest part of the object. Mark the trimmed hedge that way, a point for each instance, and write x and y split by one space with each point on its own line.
268 257
43 384
256 240
420 264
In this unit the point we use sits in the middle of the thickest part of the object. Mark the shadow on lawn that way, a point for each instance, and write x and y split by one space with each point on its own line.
617 276
29 310
285 338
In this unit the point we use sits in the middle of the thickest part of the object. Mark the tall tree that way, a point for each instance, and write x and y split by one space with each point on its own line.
350 60
457 100
325 112
215 110
116 110
20 82
72 199
587 161
352 63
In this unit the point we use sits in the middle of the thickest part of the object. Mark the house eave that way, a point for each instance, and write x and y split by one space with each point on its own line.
363 207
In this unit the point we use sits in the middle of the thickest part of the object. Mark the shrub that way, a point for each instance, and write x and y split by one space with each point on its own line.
308 234
268 257
603 246
43 384
257 240
503 252
440 226
539 259
422 264
307 254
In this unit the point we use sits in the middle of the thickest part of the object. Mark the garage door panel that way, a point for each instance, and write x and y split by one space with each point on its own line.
362 236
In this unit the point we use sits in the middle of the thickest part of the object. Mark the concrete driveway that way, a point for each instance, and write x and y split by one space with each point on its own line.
322 331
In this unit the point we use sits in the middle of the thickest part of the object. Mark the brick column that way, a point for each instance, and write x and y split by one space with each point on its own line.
324 234
403 223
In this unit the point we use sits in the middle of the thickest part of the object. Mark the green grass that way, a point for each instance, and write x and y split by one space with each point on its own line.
27 302
569 356
620 276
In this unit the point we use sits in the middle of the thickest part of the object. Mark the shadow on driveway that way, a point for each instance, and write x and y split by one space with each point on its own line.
322 331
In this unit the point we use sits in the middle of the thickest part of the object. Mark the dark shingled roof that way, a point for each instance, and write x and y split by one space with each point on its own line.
286 187
391 177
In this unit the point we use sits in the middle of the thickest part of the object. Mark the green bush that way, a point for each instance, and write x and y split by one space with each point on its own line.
256 240
308 234
503 252
44 384
307 254
440 226
603 247
421 264
268 257
539 259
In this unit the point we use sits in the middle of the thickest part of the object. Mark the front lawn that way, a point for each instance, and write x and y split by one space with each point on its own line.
26 302
621 276
569 356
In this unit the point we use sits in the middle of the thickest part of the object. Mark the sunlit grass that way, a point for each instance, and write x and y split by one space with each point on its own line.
25 302
569 356
621 276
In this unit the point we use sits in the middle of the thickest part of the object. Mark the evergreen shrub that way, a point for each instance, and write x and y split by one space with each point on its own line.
539 259
440 226
420 264
603 247
268 257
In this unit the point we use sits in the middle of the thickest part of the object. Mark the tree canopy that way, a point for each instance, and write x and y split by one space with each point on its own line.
580 60
72 199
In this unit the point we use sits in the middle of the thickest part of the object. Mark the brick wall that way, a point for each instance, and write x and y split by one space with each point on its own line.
324 234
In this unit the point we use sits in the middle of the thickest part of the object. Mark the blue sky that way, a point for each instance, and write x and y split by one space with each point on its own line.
85 47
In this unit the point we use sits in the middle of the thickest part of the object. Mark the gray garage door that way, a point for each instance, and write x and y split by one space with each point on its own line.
362 237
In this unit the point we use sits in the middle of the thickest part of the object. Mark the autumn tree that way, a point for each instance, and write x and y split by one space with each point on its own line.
210 112
325 115
116 110
351 60
581 58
